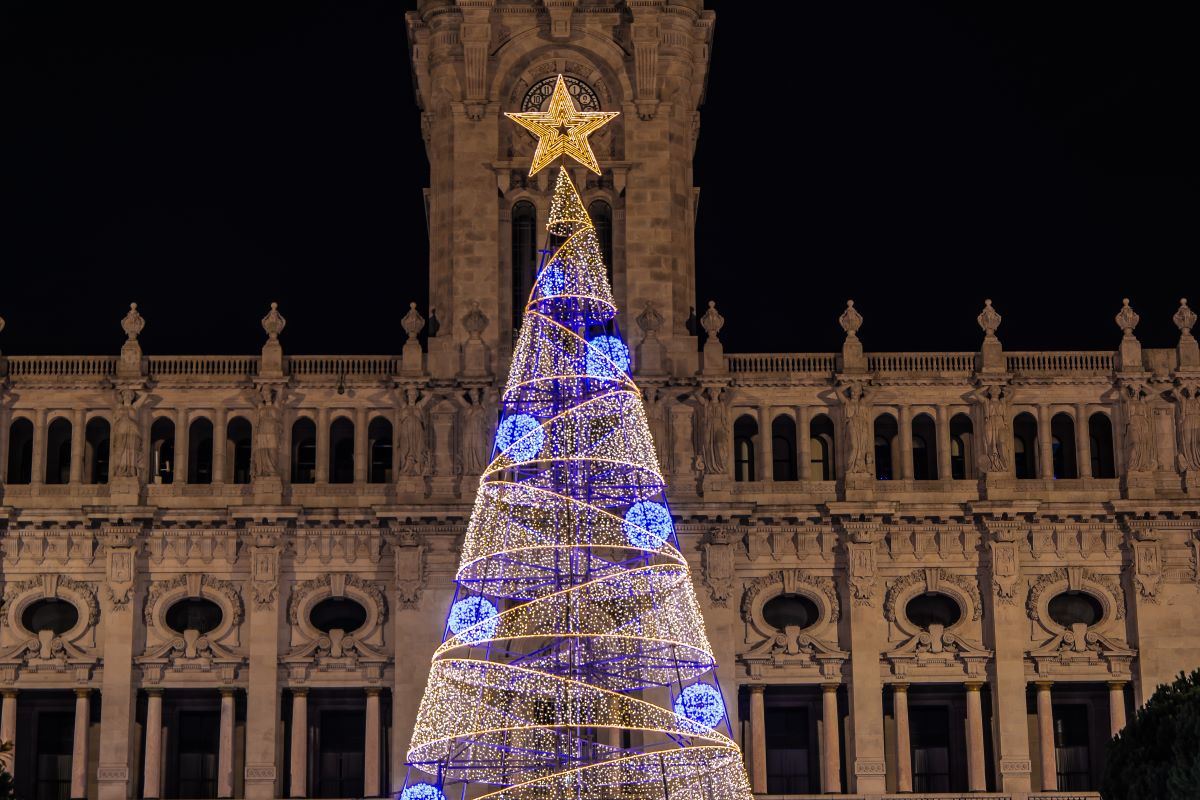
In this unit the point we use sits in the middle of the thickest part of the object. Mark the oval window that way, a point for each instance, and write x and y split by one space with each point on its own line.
338 613
1069 608
932 608
51 614
194 614
790 609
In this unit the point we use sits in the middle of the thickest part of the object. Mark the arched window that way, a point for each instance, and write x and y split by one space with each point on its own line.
962 445
601 213
200 451
304 451
885 436
162 451
744 431
820 448
95 440
379 443
1062 437
237 450
1100 431
20 451
783 448
58 451
1025 437
524 259
341 451
924 454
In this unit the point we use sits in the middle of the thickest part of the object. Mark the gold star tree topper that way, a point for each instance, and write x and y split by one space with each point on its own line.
562 130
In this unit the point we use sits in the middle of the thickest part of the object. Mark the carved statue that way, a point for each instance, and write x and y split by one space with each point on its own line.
994 402
656 414
860 439
412 441
1187 426
1139 429
127 435
474 435
712 429
265 461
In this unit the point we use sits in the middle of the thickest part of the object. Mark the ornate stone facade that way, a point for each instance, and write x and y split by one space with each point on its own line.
284 490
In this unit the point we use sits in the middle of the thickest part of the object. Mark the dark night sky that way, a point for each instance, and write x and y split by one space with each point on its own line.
204 159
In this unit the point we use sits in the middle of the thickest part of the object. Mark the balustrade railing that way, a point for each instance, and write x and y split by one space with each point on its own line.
779 362
376 366
920 362
61 366
232 366
1058 361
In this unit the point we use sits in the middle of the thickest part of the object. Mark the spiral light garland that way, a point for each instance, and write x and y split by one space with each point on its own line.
575 663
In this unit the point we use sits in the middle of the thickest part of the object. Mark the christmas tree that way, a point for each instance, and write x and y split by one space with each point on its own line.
575 662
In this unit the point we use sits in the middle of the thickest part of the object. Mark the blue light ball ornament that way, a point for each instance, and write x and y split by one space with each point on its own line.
474 619
422 791
552 281
701 703
648 525
607 356
520 437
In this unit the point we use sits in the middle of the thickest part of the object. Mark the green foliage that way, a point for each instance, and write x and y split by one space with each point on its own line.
6 784
1157 755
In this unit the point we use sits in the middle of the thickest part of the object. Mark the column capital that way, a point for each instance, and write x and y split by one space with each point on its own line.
757 688
299 691
154 691
899 687
1043 685
830 687
228 691
82 692
1117 684
973 686
8 692
374 691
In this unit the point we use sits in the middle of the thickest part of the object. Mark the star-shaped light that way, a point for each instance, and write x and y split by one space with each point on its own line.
562 130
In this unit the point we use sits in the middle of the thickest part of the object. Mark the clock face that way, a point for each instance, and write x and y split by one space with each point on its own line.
538 96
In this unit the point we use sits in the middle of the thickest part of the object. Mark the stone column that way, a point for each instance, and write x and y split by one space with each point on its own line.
5 421
762 456
220 444
152 772
38 475
371 748
804 442
225 746
1116 706
181 445
868 637
1083 441
942 421
903 744
79 746
758 740
77 428
8 726
1045 712
262 689
831 746
1045 447
976 773
322 445
906 447
362 459
299 742
117 693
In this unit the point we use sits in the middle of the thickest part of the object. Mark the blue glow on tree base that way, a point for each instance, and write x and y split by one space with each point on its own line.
474 619
422 791
648 525
701 703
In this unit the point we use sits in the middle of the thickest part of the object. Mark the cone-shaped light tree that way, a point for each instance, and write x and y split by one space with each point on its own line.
574 662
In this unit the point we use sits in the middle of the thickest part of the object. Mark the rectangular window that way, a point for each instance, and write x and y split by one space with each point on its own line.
1071 749
788 751
929 730
55 735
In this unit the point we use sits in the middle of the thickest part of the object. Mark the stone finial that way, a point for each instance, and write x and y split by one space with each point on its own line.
133 323
274 323
1127 319
412 322
475 320
1185 319
989 319
712 321
650 320
850 320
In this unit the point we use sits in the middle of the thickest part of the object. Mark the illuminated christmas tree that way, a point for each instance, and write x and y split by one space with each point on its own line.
575 662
